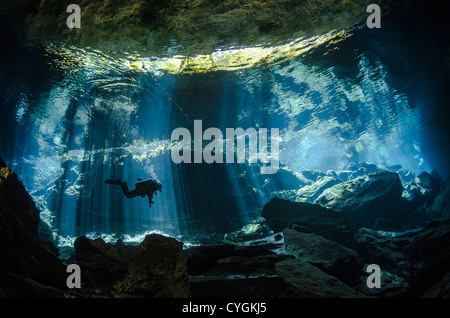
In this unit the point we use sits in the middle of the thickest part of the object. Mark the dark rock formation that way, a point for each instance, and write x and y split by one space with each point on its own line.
100 262
313 175
414 260
198 27
254 271
233 287
331 257
418 260
406 176
254 230
375 247
29 267
16 198
429 196
429 181
227 270
359 169
311 192
392 285
382 249
308 218
222 259
440 290
307 281
429 256
154 268
441 203
366 198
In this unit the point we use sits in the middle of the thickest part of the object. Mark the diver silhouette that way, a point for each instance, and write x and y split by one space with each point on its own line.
143 188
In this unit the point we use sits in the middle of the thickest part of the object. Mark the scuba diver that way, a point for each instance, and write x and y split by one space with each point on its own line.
143 188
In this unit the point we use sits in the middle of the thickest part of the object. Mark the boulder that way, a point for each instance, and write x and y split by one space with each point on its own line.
429 255
414 262
428 196
100 264
17 198
290 195
391 285
359 169
406 176
311 192
229 270
366 198
414 193
234 287
343 175
330 257
14 285
157 268
307 281
254 230
440 290
312 175
154 268
204 260
29 267
262 265
385 249
440 207
285 178
308 218
394 168
429 181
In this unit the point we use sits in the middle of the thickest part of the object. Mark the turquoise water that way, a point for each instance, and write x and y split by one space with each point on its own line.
374 97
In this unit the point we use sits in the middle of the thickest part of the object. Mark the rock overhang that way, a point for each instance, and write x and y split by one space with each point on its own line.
188 36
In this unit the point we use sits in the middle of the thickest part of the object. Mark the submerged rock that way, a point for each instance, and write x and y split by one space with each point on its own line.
312 175
311 192
308 218
99 261
394 168
254 230
204 260
429 254
383 249
307 281
154 268
428 196
366 198
440 290
440 207
359 169
29 267
429 181
18 200
406 176
227 270
392 285
414 262
329 256
157 28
